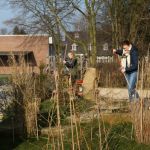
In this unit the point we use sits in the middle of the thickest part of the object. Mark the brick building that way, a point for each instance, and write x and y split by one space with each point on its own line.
33 48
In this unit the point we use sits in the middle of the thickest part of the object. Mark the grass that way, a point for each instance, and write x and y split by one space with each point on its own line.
119 138
32 144
4 79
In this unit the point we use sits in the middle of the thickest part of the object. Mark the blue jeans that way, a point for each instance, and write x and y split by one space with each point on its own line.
131 82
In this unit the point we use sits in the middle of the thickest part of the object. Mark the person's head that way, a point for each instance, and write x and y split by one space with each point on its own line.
71 55
126 45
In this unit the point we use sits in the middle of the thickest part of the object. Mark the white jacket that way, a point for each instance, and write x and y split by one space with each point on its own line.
125 59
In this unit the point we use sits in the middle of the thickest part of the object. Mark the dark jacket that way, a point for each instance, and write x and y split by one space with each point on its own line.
134 59
71 63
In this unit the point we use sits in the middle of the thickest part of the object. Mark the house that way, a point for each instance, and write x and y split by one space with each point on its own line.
78 42
33 48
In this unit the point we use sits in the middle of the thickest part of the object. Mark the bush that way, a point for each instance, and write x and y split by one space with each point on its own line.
48 113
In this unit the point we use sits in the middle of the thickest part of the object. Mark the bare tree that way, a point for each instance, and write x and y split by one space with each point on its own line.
125 18
3 31
44 16
91 10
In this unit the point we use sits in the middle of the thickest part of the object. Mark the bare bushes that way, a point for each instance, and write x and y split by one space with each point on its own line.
29 90
110 75
140 111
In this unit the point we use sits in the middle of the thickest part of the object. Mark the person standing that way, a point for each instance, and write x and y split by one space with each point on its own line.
71 66
129 67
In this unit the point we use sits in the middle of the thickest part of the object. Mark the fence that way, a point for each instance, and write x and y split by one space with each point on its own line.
104 59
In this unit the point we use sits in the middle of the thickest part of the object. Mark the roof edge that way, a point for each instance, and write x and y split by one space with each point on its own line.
26 35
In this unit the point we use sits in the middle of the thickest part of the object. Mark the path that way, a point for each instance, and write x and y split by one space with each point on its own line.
120 93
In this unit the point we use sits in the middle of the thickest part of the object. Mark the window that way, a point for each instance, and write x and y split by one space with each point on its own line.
105 47
76 35
74 47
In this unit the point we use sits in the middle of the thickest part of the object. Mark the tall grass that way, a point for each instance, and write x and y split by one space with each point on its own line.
141 110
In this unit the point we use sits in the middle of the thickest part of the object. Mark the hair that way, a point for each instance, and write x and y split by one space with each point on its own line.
71 52
126 42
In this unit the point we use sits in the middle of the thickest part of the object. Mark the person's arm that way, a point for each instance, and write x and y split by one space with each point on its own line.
118 52
134 65
71 64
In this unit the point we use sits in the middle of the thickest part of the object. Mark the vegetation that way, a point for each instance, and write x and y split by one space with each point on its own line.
18 31
119 138
47 101
4 79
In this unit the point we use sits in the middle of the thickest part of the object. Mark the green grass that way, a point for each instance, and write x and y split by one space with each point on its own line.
32 144
119 138
4 79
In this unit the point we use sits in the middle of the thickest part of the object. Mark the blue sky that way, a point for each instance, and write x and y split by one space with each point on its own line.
6 13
